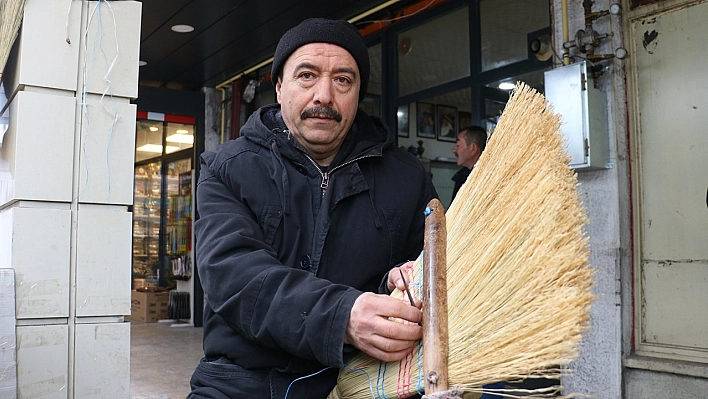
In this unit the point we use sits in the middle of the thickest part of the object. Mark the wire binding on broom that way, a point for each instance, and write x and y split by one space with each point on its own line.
518 278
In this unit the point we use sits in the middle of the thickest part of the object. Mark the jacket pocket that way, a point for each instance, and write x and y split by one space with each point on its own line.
270 221
229 380
229 371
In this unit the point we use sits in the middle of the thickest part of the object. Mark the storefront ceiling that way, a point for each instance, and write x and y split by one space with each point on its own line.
229 36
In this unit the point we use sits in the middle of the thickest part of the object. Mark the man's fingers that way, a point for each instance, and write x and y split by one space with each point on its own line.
372 305
390 349
371 329
388 345
388 356
394 276
386 307
399 331
394 279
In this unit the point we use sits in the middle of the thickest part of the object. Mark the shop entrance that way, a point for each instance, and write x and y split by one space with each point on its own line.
163 256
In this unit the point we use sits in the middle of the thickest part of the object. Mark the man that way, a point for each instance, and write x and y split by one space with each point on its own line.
470 144
301 219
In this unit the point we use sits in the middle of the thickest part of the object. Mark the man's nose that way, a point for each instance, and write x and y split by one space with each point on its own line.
323 92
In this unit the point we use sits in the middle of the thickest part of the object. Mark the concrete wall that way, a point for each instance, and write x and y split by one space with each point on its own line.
652 385
598 370
212 136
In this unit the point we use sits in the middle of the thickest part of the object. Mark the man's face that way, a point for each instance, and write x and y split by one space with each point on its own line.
465 153
319 96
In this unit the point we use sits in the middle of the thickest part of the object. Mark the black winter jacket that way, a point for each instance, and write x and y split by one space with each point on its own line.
284 249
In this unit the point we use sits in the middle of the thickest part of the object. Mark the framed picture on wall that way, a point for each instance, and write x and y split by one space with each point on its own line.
463 119
371 104
402 122
447 123
425 118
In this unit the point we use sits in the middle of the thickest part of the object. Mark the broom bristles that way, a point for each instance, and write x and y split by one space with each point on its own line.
519 282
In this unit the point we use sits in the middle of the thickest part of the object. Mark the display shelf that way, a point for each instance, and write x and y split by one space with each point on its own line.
146 220
162 230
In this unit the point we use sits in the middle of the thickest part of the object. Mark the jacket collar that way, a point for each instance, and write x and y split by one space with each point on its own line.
367 137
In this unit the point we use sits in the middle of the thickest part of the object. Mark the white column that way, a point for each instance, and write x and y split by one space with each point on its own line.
66 181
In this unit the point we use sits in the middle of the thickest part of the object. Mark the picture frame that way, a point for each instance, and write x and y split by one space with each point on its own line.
425 120
371 104
403 120
446 117
463 119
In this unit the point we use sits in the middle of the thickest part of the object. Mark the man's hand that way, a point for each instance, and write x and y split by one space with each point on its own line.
394 276
370 329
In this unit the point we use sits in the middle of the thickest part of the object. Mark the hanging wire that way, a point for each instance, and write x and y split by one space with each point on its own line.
68 15
108 90
98 47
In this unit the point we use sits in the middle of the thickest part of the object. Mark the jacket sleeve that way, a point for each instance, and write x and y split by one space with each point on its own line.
280 307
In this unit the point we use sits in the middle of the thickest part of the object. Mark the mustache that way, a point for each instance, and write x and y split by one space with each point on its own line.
321 112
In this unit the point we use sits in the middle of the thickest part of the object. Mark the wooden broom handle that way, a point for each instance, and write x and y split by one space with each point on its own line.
435 336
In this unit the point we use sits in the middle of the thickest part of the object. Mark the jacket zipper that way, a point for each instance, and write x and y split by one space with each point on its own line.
326 175
325 182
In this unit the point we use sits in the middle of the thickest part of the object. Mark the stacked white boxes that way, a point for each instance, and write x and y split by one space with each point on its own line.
66 181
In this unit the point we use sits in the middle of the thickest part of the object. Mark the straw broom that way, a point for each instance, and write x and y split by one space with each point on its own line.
518 278
11 12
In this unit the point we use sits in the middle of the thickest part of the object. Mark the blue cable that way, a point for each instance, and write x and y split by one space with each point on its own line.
371 388
302 378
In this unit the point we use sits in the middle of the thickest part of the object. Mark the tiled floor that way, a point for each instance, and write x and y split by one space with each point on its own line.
162 359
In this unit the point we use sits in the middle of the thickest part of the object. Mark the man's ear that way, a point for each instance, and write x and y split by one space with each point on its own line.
277 90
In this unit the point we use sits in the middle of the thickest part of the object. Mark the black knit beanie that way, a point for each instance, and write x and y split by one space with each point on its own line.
320 30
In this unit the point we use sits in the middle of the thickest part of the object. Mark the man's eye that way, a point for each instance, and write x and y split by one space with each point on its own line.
342 79
306 75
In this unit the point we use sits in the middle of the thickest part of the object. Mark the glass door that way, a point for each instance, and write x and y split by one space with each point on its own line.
146 224
178 226
162 206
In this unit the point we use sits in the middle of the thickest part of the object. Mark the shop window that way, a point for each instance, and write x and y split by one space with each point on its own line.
163 203
497 94
505 25
432 126
433 53
375 86
148 140
178 137
265 95
371 103
150 135
146 221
